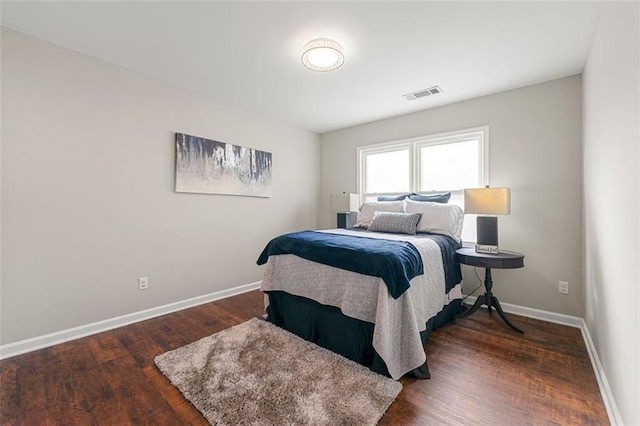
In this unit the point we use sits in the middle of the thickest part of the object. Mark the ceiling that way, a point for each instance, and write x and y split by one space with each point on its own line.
247 54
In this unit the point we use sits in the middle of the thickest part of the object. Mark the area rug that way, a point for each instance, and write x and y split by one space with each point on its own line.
259 374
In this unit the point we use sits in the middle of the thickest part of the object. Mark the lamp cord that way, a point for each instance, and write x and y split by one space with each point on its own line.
475 271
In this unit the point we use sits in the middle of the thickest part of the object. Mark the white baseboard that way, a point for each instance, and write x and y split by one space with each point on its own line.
39 342
571 321
603 384
576 322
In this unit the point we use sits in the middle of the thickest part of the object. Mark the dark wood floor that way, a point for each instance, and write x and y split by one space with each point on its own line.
482 372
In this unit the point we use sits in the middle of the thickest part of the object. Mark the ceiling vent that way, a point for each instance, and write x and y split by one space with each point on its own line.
423 93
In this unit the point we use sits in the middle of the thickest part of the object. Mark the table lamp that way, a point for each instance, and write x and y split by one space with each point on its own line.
489 202
344 204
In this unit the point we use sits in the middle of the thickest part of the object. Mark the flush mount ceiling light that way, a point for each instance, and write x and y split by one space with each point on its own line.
322 54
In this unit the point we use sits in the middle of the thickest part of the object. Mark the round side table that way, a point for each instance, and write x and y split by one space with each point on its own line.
502 260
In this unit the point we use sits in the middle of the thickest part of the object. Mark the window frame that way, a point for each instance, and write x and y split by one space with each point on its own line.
379 149
478 133
414 145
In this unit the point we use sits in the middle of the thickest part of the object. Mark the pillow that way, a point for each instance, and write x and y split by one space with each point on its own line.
433 198
368 209
400 223
437 218
392 197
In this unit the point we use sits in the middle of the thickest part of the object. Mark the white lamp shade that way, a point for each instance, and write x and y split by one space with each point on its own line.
345 202
491 201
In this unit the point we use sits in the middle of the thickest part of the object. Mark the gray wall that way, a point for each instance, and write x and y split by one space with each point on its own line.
87 192
612 200
535 148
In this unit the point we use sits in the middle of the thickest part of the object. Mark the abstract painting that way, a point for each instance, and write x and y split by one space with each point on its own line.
210 167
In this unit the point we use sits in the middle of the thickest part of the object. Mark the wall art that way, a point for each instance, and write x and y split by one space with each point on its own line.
210 167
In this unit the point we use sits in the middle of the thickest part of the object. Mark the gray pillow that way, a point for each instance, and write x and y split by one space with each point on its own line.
392 197
399 223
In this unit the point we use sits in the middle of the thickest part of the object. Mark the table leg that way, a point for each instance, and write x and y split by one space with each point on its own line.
488 285
479 302
496 304
490 300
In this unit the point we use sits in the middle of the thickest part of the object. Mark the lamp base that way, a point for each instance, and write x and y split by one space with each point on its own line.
346 220
487 242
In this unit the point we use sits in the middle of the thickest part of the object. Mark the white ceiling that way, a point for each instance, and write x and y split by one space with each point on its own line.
248 53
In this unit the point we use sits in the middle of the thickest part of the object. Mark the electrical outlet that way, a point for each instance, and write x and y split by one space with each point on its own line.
143 283
563 287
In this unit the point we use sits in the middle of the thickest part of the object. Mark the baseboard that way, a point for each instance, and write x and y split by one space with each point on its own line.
576 322
571 321
35 343
603 384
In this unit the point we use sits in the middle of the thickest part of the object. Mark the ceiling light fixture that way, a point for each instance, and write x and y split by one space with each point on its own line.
322 54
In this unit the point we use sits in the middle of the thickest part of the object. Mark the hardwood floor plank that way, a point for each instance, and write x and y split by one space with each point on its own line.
85 390
482 373
183 409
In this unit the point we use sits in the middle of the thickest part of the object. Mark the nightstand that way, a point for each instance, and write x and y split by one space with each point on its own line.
346 220
502 260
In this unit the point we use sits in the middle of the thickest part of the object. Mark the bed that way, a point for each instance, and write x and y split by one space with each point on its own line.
372 294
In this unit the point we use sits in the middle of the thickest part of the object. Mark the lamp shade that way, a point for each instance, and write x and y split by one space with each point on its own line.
345 202
491 201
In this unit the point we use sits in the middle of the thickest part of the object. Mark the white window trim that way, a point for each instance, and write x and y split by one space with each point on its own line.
481 133
414 145
377 149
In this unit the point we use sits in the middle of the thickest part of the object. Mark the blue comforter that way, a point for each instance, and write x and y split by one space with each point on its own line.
396 262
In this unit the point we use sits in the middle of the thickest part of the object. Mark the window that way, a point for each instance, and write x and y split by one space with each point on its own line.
439 163
386 171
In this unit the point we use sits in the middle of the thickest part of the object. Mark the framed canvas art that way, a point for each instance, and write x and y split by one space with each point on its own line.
206 166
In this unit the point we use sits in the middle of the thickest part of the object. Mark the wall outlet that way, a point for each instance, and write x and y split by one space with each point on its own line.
143 283
563 287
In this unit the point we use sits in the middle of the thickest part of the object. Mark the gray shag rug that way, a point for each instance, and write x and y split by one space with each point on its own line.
259 374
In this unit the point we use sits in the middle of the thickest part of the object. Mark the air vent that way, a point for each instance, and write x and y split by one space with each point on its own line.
423 93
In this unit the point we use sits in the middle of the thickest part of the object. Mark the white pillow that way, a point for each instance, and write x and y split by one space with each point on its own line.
437 218
368 210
